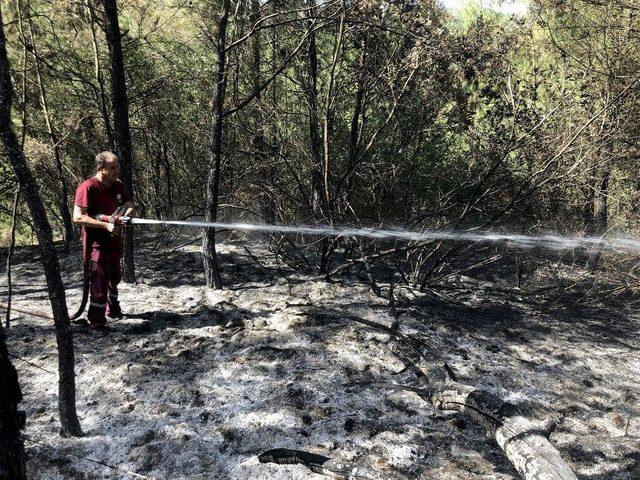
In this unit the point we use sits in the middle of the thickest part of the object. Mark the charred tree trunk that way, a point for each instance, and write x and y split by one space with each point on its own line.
595 210
24 73
525 443
320 464
122 134
598 212
28 186
12 458
354 133
328 118
311 85
102 97
211 268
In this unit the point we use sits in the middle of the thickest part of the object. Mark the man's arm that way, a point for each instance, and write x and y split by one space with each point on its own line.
80 217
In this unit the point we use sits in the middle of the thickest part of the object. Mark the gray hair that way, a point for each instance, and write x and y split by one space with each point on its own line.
102 158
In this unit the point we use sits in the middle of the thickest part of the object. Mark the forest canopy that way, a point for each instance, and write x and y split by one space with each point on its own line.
425 117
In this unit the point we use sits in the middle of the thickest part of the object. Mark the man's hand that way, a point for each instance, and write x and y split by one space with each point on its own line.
114 229
122 220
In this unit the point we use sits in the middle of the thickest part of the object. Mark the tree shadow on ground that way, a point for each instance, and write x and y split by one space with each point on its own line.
185 269
630 470
492 314
19 290
224 315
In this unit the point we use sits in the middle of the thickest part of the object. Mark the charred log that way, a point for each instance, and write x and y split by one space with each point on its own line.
319 464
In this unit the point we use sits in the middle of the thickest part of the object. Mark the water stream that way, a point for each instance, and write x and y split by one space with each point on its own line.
548 241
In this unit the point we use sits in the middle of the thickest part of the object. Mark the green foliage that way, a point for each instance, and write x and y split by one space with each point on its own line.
461 121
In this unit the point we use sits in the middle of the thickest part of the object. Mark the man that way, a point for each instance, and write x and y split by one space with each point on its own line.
103 194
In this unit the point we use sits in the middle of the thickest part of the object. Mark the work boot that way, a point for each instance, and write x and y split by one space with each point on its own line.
114 311
80 325
95 316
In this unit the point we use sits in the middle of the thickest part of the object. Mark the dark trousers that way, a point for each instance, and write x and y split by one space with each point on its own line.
105 277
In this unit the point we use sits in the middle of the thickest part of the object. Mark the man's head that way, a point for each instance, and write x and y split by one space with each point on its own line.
108 166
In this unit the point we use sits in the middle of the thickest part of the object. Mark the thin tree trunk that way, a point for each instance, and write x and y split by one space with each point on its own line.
589 200
102 96
63 207
600 206
167 174
314 133
157 190
274 105
28 186
121 122
328 115
211 268
12 457
267 207
318 198
354 135
24 73
12 244
599 213
595 210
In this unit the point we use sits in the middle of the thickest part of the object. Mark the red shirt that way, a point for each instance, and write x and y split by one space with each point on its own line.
97 198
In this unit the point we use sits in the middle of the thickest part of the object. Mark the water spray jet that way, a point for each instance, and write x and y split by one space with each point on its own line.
548 241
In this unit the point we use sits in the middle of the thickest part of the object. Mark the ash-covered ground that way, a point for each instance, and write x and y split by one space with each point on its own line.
196 383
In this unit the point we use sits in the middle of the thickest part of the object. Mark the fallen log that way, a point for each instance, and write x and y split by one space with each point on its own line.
525 443
319 464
